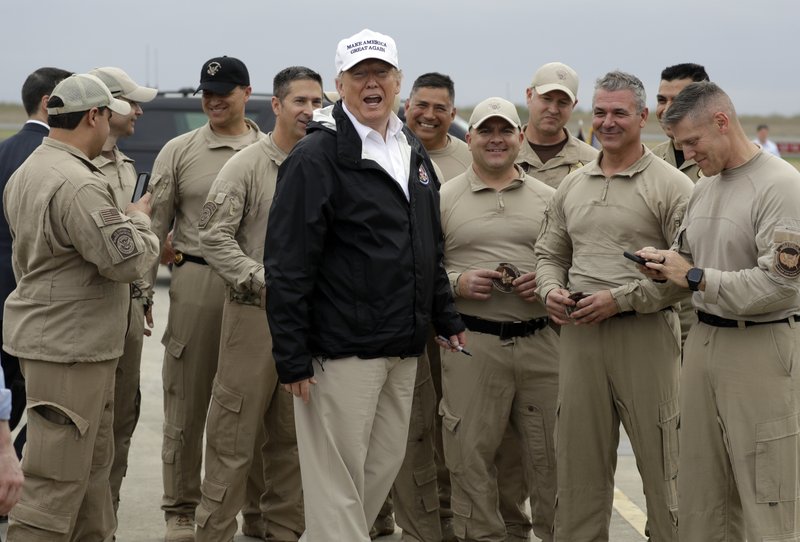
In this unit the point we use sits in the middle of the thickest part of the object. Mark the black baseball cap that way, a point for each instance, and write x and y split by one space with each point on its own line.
222 74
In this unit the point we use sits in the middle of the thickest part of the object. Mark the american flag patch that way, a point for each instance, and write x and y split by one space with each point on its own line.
110 216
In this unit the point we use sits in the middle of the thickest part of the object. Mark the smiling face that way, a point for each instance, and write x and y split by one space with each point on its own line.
124 125
368 90
294 111
429 113
615 120
226 111
667 90
494 145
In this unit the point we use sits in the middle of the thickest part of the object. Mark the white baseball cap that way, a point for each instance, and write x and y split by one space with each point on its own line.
363 45
122 86
556 76
82 92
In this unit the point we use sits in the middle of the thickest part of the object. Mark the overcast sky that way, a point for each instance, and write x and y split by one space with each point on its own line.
488 47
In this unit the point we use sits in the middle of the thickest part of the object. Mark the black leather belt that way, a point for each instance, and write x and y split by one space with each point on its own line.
718 321
504 330
181 258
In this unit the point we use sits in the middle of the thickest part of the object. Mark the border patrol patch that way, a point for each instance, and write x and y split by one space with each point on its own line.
110 216
510 273
787 259
208 211
423 175
123 242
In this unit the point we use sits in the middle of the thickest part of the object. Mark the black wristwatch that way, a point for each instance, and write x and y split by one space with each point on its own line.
694 277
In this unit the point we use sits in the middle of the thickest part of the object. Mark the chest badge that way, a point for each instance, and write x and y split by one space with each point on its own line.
509 273
423 175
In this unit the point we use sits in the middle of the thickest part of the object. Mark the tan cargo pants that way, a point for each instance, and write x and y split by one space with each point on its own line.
246 401
191 341
127 399
740 435
352 437
505 381
623 369
66 494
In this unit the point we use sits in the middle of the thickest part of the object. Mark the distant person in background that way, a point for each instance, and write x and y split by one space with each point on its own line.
13 151
673 80
120 174
762 139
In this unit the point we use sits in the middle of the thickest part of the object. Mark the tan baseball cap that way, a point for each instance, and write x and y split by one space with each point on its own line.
494 107
122 86
556 76
81 92
363 45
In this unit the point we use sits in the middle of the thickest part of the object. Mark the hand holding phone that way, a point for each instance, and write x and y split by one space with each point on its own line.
141 186
634 258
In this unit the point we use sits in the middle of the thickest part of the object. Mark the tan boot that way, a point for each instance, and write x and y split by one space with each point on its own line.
180 528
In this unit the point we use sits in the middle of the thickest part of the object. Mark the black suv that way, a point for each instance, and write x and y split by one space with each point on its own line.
174 113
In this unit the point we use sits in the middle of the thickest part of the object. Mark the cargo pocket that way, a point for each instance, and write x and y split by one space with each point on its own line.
425 480
669 421
452 446
536 436
213 496
777 460
170 454
463 510
57 447
172 373
223 419
46 520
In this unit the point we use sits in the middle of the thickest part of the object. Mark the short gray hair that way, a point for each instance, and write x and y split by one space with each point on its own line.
618 80
701 98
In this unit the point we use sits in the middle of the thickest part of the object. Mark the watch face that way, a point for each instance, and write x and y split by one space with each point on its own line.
694 276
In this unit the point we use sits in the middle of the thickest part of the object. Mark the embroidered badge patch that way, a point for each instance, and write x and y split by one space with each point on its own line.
208 211
123 242
423 175
510 273
787 259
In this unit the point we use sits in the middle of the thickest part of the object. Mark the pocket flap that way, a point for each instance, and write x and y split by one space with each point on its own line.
448 420
175 347
462 508
47 520
227 398
214 490
668 410
425 475
778 429
80 423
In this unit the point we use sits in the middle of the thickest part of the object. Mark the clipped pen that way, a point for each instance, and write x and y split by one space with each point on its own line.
459 348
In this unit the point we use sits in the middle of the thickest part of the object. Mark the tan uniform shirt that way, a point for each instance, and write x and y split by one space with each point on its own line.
72 252
453 159
666 151
592 219
573 156
182 175
120 174
743 228
234 224
483 227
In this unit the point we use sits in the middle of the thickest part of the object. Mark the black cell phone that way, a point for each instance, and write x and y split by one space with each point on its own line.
635 258
141 186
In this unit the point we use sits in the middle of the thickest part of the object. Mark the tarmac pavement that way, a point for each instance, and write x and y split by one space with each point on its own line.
140 516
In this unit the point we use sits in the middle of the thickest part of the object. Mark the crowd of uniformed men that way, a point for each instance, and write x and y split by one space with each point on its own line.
455 322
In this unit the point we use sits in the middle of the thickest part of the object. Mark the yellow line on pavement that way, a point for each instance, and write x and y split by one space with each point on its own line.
629 511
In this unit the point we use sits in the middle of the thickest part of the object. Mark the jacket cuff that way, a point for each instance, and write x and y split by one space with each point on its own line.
713 279
620 298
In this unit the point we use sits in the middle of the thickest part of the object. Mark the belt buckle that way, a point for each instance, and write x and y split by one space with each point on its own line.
178 260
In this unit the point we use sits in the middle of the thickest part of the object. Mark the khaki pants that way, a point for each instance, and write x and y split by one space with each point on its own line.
351 438
191 340
66 495
127 398
623 369
246 401
740 435
415 494
505 381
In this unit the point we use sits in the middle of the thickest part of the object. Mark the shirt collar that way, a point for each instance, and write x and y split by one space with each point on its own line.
40 123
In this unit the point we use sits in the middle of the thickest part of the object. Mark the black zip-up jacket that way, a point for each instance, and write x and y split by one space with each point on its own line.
352 267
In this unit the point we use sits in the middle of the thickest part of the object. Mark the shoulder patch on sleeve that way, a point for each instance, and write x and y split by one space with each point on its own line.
209 208
787 259
107 216
122 239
